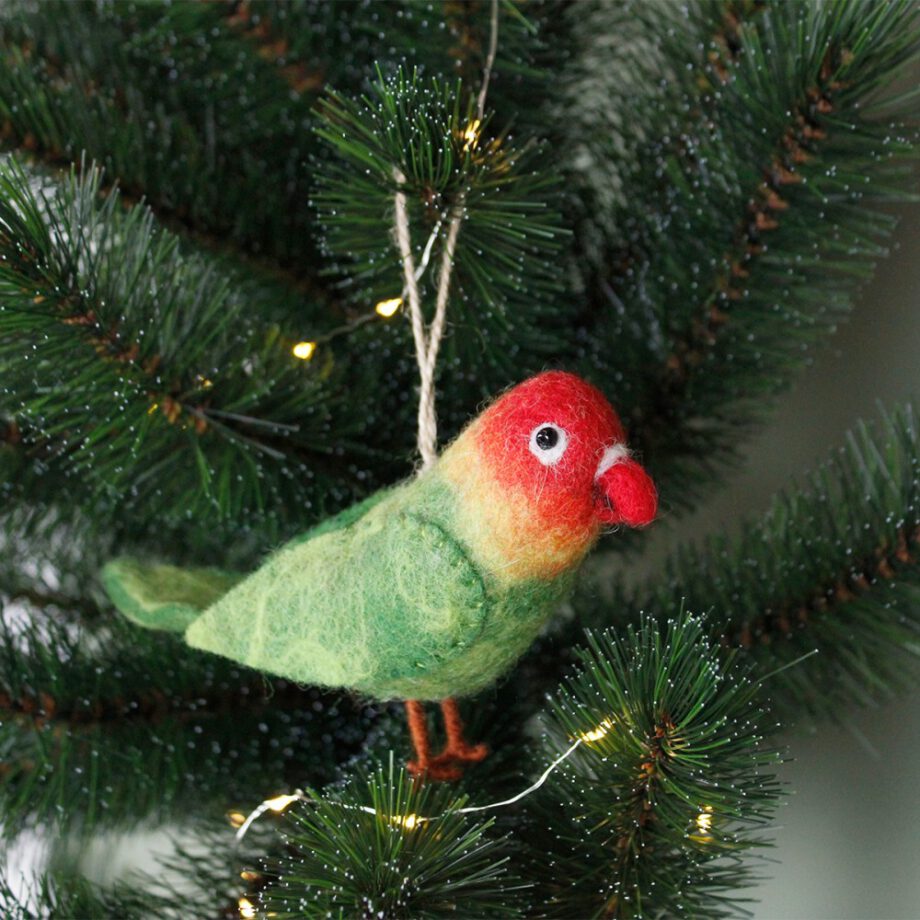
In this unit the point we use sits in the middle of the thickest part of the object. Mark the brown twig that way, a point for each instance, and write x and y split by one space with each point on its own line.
763 214
641 814
173 217
156 706
256 27
787 618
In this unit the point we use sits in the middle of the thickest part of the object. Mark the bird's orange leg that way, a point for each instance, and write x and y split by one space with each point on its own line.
424 765
457 749
418 729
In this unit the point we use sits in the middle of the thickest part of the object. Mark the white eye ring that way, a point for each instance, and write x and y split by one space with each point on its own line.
549 447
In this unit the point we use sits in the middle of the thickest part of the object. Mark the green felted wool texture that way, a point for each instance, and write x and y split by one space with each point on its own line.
388 604
163 596
166 597
344 518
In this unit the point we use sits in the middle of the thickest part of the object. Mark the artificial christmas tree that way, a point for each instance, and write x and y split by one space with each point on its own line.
213 219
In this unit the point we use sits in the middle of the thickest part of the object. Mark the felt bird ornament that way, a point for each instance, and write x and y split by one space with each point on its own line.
430 589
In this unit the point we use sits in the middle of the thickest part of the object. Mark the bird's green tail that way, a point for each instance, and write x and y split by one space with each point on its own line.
163 596
166 597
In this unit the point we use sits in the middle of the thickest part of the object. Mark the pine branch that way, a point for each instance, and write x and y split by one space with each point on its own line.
136 89
370 366
833 568
48 561
709 298
221 870
623 88
114 724
656 812
199 876
428 134
59 895
346 862
170 358
204 109
258 23
51 553
711 139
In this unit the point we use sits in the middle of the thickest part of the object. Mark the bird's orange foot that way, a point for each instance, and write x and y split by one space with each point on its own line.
448 762
464 753
436 769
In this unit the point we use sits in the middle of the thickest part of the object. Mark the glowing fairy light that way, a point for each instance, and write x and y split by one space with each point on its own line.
595 734
280 802
247 911
236 818
704 819
409 822
277 804
704 825
386 308
304 350
471 134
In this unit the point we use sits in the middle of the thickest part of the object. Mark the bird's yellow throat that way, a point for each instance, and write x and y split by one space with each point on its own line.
509 534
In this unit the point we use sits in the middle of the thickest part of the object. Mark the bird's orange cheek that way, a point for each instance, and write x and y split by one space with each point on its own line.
541 537
551 506
566 508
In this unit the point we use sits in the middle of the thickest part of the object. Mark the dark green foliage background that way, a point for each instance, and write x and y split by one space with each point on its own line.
677 201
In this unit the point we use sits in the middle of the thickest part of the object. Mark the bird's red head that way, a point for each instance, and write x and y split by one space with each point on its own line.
556 438
541 472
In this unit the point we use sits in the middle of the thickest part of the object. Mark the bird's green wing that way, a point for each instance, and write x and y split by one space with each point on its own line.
344 518
375 605
159 596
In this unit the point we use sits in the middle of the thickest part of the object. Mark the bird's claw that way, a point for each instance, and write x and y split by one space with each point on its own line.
465 753
446 766
435 769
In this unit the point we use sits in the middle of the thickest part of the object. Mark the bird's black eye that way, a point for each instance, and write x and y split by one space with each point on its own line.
548 443
547 438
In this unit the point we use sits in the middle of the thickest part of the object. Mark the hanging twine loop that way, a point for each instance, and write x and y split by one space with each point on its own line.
428 339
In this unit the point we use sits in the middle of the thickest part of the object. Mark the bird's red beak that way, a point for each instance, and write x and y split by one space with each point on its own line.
625 492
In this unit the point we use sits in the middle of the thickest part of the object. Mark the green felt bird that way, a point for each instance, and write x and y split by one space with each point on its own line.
430 589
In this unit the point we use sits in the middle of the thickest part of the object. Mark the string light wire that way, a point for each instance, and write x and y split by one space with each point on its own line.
280 803
544 776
